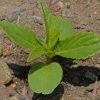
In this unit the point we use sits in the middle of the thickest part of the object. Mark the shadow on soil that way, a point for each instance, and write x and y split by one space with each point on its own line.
19 71
56 95
80 76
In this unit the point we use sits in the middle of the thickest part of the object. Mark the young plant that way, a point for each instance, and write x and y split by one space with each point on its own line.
59 39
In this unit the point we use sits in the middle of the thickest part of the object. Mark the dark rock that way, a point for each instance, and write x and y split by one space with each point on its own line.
90 76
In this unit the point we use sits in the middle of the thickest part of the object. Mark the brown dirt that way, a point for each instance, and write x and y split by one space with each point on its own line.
76 84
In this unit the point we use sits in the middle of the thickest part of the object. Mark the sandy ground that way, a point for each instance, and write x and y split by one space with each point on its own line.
76 84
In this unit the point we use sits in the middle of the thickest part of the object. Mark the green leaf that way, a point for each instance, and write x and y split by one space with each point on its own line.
36 53
44 78
20 34
42 43
66 28
79 46
52 32
56 27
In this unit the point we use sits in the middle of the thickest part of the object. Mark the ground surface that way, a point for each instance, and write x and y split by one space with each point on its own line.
79 81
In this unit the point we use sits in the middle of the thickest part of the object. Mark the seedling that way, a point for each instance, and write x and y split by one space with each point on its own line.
60 39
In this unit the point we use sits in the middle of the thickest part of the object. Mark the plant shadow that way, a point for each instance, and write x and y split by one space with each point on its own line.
77 76
19 71
56 95
22 72
80 75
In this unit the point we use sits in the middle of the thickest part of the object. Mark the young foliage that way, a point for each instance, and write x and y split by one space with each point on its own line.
60 39
20 34
44 78
79 46
56 27
36 53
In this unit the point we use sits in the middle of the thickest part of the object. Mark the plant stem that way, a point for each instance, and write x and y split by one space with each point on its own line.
48 59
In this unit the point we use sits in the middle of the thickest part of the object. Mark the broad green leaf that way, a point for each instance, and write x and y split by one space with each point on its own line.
53 36
20 34
52 32
44 78
79 46
36 53
56 27
82 52
77 40
66 28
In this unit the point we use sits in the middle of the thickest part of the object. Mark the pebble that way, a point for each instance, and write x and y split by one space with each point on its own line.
5 73
36 19
90 76
95 13
7 51
60 4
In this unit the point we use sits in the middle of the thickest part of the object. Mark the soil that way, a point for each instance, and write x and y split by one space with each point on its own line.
81 80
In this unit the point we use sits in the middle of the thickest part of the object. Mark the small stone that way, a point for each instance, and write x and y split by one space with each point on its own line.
5 74
36 19
6 52
60 4
95 13
90 76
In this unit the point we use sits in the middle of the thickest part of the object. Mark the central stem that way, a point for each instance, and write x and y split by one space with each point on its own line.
48 60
